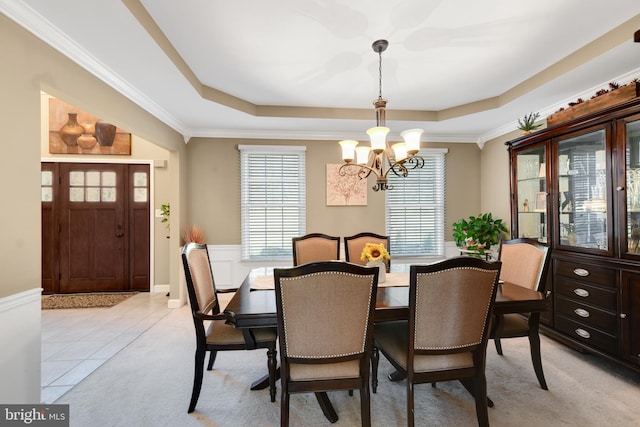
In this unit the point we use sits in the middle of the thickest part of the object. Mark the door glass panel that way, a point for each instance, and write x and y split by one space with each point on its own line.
108 194
46 186
109 179
582 191
76 178
92 179
532 195
633 186
140 195
76 194
140 179
93 194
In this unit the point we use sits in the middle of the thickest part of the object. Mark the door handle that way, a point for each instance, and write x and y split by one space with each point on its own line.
120 230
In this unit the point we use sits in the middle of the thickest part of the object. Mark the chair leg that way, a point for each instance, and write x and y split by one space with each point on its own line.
410 420
197 378
365 405
497 327
480 396
534 343
284 407
375 358
271 366
212 359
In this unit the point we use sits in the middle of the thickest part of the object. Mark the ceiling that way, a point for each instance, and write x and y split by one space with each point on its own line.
462 70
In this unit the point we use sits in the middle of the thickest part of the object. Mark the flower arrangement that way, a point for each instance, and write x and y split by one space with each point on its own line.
193 234
374 252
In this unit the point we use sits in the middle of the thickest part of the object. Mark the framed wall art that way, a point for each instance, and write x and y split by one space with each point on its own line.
73 131
348 190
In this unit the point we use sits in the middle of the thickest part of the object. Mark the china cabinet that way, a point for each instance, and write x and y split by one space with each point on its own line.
576 187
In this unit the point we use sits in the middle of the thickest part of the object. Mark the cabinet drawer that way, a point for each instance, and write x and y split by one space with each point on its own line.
587 315
585 273
599 297
587 335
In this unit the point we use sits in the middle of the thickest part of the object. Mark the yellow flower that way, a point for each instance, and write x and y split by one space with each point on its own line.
374 252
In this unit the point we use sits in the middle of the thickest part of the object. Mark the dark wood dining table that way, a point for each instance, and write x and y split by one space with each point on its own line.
254 306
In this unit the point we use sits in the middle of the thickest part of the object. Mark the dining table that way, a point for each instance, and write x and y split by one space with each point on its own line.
254 306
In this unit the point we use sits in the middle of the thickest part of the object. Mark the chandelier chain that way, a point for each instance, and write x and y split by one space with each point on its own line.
380 74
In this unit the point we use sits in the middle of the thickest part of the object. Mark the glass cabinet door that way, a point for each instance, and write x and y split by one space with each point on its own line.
531 181
582 191
632 164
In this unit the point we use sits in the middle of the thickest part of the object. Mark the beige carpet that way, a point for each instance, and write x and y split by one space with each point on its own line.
87 300
149 383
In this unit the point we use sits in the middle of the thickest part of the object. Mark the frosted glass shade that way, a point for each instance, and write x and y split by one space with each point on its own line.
400 150
412 139
378 137
348 149
362 155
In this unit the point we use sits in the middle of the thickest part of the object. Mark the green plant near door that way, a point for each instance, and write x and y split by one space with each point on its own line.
165 212
478 233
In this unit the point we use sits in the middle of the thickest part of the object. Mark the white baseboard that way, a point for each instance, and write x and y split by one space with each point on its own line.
161 289
175 303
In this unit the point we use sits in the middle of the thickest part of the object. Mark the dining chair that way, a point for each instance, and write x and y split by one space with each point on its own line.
325 314
353 246
217 335
445 337
315 247
525 263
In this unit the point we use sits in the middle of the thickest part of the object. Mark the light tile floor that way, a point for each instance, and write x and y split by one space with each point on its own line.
76 342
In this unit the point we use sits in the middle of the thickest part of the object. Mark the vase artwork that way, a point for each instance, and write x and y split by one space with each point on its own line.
72 130
382 276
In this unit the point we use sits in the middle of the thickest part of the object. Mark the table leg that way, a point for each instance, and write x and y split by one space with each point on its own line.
263 382
396 376
326 406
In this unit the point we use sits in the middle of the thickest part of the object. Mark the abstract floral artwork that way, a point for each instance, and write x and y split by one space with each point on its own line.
348 190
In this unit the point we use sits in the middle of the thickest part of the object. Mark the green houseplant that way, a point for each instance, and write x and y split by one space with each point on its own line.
478 233
527 123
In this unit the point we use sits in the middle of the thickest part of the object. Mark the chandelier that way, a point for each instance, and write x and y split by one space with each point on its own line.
380 158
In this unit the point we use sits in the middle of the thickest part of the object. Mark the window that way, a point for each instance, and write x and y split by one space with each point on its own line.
273 200
415 208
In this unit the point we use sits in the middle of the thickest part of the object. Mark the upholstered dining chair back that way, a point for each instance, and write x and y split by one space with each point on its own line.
524 263
315 247
325 316
449 306
353 246
200 284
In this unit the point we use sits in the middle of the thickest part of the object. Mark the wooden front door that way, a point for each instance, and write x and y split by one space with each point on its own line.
98 220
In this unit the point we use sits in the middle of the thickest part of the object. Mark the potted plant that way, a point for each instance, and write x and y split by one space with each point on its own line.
527 123
478 233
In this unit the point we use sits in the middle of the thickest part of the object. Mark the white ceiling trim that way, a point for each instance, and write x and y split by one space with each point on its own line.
41 28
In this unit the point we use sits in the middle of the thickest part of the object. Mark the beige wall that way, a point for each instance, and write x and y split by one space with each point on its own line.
213 183
35 67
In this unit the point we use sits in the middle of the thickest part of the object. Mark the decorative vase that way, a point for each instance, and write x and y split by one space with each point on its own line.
89 127
382 276
105 133
87 141
72 130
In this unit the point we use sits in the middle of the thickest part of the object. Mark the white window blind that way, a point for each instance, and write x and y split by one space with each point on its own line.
273 200
415 208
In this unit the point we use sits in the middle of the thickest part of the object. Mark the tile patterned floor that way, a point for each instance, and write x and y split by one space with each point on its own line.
78 341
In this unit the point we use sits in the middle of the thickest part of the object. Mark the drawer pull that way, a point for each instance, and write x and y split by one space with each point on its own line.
581 272
583 333
623 315
581 292
581 312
